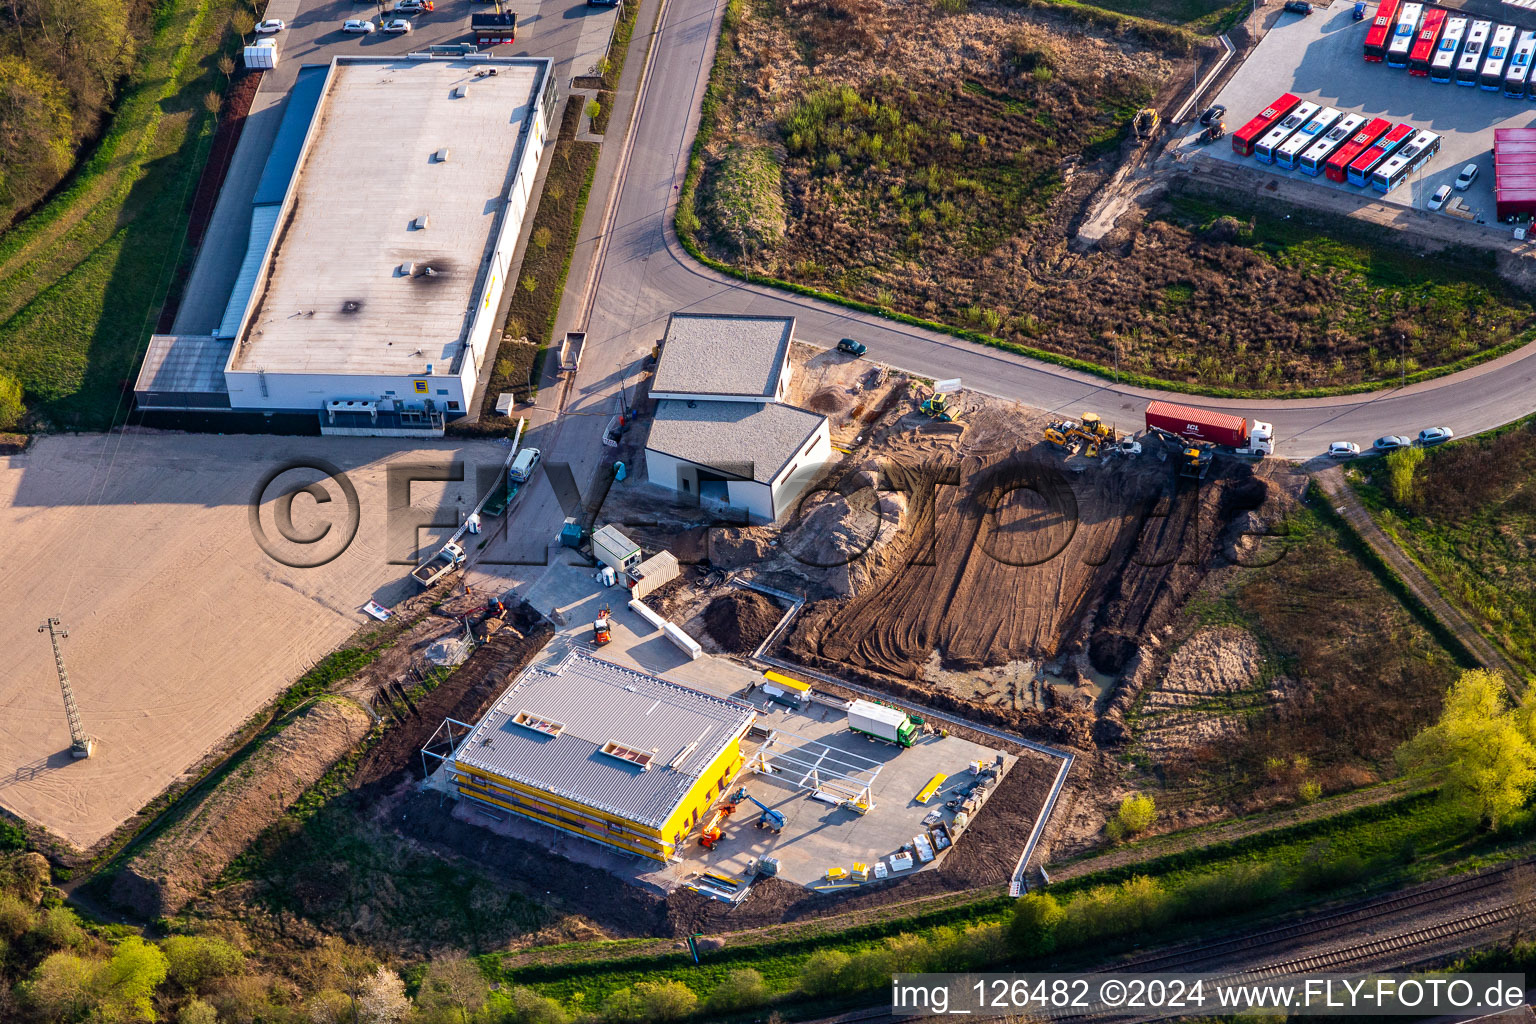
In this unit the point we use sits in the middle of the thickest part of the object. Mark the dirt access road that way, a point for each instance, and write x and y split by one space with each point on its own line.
180 625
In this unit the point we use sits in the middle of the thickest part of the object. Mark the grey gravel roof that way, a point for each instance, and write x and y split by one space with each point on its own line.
595 702
709 354
746 440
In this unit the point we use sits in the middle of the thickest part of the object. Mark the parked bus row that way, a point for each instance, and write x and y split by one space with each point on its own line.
1448 46
1346 148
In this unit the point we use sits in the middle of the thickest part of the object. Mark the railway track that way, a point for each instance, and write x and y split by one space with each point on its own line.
1190 959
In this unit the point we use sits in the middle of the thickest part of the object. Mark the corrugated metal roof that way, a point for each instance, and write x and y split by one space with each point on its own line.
263 225
303 99
596 702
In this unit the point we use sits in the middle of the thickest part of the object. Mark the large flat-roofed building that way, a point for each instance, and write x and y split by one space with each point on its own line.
382 234
721 432
604 752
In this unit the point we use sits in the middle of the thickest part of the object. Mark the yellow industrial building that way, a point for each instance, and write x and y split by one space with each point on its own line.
627 759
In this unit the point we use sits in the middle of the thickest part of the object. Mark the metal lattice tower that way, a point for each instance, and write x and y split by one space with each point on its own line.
80 745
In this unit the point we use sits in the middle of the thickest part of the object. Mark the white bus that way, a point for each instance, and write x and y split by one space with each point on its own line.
1471 62
1395 169
1264 149
1492 78
1317 154
1402 35
1520 66
1288 151
1444 61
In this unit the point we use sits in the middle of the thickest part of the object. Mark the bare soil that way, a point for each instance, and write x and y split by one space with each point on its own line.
741 620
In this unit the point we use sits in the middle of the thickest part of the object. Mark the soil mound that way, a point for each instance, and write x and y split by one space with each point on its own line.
830 401
741 620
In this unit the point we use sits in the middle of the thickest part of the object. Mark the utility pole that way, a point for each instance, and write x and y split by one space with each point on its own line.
80 745
623 389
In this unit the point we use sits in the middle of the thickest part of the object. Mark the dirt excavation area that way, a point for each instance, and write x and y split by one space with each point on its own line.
181 625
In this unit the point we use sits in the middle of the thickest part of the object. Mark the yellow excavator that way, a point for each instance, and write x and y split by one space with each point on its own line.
1084 436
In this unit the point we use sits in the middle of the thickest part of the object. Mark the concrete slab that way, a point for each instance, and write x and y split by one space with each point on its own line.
1319 58
181 625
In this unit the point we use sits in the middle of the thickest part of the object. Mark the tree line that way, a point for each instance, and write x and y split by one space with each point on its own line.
61 62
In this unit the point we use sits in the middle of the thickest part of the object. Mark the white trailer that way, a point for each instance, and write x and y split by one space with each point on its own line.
615 550
261 54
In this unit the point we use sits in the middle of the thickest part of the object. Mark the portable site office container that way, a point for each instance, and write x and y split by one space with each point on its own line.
1290 150
1516 78
1499 45
1264 149
1470 64
1316 155
1403 34
1443 65
1397 167
1337 168
1359 172
1425 41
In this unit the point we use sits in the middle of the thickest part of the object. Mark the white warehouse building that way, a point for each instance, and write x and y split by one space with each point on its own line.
721 432
382 234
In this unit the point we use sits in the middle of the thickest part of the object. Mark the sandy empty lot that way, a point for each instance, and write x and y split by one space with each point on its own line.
181 625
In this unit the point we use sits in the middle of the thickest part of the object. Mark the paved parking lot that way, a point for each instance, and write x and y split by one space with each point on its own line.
1318 58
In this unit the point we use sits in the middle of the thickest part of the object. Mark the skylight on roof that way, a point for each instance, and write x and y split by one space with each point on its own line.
613 748
545 726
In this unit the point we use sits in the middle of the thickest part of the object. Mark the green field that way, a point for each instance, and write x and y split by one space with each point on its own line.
82 280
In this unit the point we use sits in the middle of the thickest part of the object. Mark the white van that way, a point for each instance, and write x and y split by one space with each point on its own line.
522 466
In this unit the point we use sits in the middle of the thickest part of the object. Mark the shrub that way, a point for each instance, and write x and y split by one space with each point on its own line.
665 1000
528 1007
1309 791
742 989
12 409
197 1012
821 974
195 960
1400 466
542 236
1032 930
1136 814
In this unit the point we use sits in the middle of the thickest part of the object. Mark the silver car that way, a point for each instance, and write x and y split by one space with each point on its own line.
1467 176
1343 450
358 26
1435 435
398 26
1391 443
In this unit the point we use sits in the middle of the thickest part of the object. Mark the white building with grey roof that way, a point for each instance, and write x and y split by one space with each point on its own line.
382 233
721 432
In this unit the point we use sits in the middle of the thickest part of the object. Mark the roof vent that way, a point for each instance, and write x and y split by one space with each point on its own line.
461 91
420 223
406 269
441 156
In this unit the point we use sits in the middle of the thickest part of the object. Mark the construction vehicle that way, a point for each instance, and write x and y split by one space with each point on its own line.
1212 428
1195 462
937 407
714 826
600 627
770 819
1146 122
449 558
1085 436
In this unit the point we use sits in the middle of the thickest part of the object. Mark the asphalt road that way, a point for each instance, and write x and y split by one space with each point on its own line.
645 275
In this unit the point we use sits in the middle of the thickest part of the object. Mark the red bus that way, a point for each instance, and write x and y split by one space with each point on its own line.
1380 32
1244 138
1360 171
1424 44
1337 166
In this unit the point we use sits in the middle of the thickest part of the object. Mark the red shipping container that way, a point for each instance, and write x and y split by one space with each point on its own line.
1198 424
